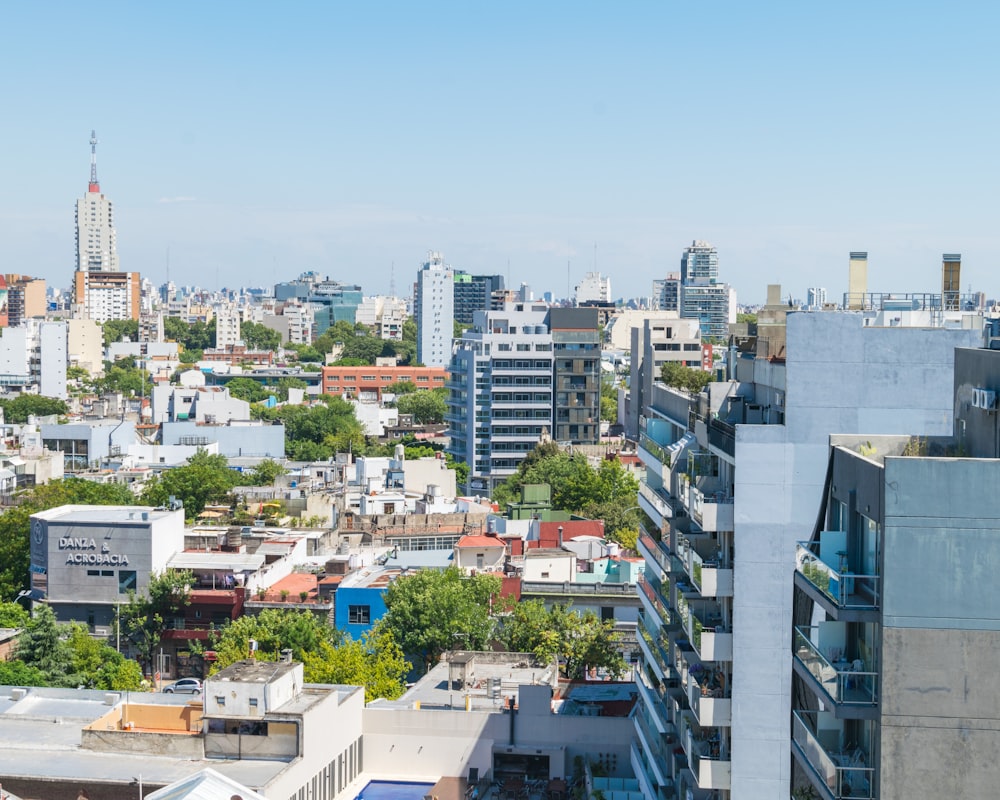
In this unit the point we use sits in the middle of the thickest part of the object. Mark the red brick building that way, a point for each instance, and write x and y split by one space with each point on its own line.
372 381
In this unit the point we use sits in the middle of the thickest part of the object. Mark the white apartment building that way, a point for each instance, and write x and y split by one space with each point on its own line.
594 288
103 296
733 482
434 304
385 314
500 400
227 326
33 358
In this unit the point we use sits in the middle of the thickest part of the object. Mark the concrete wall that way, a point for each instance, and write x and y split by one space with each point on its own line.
841 378
234 440
430 744
977 428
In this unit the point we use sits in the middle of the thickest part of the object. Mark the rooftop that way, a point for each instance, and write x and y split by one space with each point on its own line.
100 514
254 671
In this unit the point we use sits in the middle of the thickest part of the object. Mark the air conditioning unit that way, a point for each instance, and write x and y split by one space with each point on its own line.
984 398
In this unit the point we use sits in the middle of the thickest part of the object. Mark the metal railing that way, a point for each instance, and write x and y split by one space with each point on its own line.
846 589
839 679
845 773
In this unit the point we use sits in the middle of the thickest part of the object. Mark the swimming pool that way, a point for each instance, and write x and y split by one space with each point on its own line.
394 790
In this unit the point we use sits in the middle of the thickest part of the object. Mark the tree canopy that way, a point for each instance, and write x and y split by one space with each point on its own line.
204 479
431 611
259 337
17 410
315 433
426 405
581 641
687 378
145 617
274 630
376 662
608 492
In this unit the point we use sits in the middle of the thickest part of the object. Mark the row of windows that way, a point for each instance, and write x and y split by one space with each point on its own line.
335 777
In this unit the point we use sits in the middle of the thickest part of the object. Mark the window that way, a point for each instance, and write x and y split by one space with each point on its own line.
126 580
253 702
359 615
607 613
220 699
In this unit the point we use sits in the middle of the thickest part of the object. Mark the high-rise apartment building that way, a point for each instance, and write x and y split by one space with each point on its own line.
734 478
667 293
576 347
594 288
33 357
500 399
895 636
474 293
434 308
702 297
227 326
96 246
101 291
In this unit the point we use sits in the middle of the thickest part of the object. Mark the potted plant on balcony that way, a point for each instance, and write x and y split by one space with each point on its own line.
284 595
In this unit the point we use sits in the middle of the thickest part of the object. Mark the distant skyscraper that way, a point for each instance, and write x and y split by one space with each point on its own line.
594 288
434 308
817 297
703 298
667 293
96 246
101 291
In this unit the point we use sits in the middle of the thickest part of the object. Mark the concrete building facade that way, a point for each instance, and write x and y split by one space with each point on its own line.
434 307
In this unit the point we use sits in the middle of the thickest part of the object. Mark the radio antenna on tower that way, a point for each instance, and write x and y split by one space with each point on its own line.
94 185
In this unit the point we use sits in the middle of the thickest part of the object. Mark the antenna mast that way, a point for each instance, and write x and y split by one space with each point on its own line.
94 185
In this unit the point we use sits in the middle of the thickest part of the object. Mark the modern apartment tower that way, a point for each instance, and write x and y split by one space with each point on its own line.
894 690
667 293
576 346
434 308
734 478
500 399
702 297
474 293
594 288
101 291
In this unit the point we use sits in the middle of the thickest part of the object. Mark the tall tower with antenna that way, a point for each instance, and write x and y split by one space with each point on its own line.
101 291
96 240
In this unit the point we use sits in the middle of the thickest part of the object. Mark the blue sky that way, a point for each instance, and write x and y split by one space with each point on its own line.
255 141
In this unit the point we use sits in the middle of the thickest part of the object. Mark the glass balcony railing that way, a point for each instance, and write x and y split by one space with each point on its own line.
845 588
654 601
846 773
654 449
657 499
845 682
709 698
656 551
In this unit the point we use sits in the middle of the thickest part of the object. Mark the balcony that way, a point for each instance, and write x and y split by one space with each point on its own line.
844 772
659 457
655 698
712 510
708 756
654 552
837 588
655 647
656 504
836 678
702 621
708 696
701 557
654 605
722 436
643 772
655 744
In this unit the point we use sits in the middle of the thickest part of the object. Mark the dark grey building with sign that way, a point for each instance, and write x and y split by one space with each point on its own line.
85 559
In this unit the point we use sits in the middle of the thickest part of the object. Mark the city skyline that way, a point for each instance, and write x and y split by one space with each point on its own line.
556 140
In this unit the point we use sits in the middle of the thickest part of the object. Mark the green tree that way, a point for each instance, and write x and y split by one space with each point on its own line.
747 318
609 400
363 348
125 377
204 479
145 617
12 615
17 411
687 378
114 330
266 473
401 387
190 355
97 665
274 630
40 646
426 405
257 336
248 389
17 673
427 612
375 662
580 641
289 382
